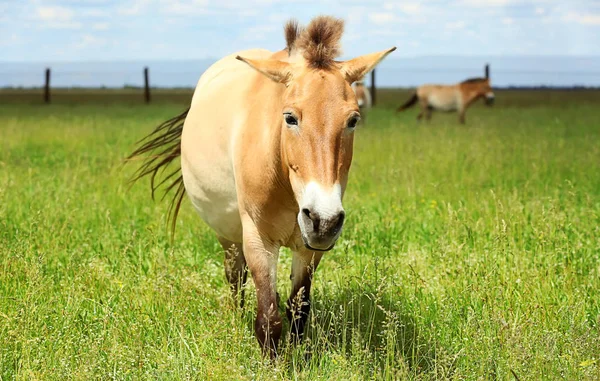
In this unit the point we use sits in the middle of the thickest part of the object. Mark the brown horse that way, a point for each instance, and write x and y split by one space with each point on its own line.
363 96
265 149
455 97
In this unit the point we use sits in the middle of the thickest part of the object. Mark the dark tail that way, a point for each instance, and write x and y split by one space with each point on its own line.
157 150
411 102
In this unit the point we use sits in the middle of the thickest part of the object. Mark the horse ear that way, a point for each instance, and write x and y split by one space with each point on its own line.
278 71
358 67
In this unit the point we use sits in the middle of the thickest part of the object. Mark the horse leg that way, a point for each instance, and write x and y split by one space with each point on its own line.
235 268
423 104
461 116
428 114
261 256
304 264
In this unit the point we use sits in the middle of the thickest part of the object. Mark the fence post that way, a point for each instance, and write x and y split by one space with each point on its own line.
487 71
373 87
47 87
146 85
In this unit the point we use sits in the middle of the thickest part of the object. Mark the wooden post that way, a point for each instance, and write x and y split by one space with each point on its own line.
47 87
373 87
146 85
487 71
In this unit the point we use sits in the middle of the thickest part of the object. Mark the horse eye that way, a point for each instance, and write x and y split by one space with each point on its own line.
291 120
352 122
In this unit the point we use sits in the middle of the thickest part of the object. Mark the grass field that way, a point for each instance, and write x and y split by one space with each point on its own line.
470 252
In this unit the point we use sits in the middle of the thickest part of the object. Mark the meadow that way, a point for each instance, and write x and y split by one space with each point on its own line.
470 251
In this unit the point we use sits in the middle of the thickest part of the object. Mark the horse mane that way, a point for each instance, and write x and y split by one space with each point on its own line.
292 31
320 41
474 80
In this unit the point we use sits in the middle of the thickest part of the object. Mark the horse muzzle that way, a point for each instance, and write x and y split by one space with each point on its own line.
320 232
320 216
489 99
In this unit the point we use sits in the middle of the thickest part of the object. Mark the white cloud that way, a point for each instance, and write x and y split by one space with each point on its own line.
100 26
135 8
584 19
486 3
354 17
185 7
56 17
455 25
390 33
410 8
259 32
88 40
12 39
64 25
381 17
471 26
413 8
54 14
278 18
248 12
94 12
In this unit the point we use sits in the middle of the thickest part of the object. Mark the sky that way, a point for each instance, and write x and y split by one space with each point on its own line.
109 30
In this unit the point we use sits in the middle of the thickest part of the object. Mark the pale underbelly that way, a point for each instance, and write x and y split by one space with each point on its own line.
442 104
214 197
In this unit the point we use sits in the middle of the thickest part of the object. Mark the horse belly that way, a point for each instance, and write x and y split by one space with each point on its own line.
442 102
211 189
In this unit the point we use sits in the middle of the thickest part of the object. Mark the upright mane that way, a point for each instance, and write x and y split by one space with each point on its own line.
320 41
474 80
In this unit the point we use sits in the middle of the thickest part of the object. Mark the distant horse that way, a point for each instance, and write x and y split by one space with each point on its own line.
265 149
363 96
450 97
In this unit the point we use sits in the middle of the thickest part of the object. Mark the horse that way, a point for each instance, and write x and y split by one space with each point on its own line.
455 97
363 95
265 150
363 98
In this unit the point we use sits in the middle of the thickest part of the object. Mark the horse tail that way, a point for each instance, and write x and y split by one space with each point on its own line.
157 150
411 102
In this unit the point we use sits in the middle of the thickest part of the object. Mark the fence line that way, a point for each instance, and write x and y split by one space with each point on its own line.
146 86
390 76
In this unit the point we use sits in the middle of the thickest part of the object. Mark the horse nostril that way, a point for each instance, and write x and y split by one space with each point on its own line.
340 222
313 217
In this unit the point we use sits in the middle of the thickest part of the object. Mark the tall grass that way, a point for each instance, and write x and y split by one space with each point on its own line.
469 252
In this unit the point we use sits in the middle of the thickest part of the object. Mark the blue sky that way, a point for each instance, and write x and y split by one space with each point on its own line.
90 30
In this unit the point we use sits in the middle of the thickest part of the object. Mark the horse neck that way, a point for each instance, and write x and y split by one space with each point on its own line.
473 92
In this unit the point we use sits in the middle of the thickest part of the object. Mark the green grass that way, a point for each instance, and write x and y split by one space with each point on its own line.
470 252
